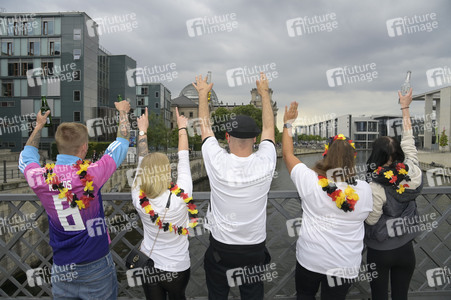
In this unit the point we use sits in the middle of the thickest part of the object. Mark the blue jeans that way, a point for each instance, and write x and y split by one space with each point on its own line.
94 280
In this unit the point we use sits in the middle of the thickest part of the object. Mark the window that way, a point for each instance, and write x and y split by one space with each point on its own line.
77 116
157 105
16 28
144 91
182 113
77 75
26 27
25 67
7 104
157 94
360 137
140 102
77 96
52 48
13 69
191 114
34 48
7 48
77 54
361 126
47 68
77 34
372 126
47 27
7 89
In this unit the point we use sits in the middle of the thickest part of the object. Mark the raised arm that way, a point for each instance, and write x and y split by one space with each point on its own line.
287 140
203 88
35 136
405 102
267 112
124 124
182 122
143 125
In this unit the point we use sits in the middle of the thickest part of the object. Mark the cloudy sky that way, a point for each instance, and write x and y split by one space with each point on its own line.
299 40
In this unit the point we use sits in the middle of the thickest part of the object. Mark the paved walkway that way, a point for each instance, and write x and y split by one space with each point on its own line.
442 158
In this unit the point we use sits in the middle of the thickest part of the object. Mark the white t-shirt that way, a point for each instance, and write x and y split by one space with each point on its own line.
239 192
171 250
330 238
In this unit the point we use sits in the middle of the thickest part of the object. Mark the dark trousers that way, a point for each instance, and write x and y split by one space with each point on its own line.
397 265
166 285
220 260
307 285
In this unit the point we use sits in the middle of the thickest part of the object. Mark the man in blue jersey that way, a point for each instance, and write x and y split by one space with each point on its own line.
69 190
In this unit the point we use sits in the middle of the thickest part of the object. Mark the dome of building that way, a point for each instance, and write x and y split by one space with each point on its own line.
190 92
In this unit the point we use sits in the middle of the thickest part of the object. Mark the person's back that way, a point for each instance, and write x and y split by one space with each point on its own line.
239 182
69 190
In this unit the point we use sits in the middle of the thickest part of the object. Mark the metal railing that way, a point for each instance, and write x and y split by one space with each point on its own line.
26 249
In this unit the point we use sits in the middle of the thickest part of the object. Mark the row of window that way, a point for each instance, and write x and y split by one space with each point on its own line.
25 28
366 126
21 69
52 47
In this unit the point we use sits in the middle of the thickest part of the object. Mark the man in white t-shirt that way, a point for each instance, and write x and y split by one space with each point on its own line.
240 182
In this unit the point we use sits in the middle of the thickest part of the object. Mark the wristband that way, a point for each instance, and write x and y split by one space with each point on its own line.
404 108
183 128
287 125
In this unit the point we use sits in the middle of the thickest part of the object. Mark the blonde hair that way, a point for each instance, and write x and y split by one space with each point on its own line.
340 155
154 177
70 137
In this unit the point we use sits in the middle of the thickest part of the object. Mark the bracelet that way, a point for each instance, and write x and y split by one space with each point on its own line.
404 108
183 128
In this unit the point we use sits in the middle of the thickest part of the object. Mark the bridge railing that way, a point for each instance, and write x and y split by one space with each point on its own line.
24 241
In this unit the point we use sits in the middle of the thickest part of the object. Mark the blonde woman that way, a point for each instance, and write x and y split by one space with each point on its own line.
166 210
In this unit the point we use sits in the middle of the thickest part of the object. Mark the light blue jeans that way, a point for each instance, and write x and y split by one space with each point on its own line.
94 280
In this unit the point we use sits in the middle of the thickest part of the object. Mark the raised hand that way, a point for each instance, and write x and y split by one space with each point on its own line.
143 121
291 113
262 84
202 86
406 99
41 119
182 121
124 105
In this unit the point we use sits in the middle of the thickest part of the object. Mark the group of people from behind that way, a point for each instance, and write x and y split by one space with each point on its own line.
339 216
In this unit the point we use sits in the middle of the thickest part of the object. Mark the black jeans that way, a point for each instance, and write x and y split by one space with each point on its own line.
397 265
221 258
163 285
307 285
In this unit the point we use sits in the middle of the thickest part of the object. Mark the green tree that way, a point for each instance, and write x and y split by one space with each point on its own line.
158 134
443 142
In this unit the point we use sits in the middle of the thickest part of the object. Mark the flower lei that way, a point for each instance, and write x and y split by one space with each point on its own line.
344 200
338 137
390 178
192 211
86 179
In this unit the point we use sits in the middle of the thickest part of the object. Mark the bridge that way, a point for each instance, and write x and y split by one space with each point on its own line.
27 246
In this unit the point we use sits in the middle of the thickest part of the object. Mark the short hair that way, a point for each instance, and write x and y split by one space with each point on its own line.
339 155
70 137
154 177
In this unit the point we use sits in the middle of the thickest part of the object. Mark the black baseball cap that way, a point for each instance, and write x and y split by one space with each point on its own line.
242 127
